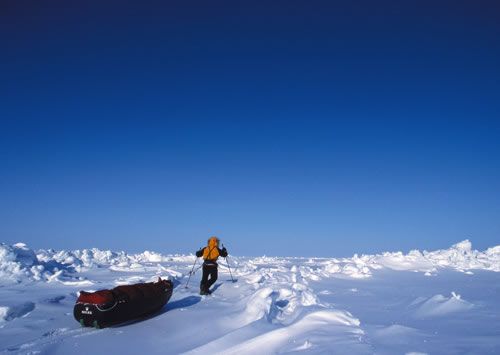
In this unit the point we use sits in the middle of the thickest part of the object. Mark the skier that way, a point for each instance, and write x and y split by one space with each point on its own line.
210 255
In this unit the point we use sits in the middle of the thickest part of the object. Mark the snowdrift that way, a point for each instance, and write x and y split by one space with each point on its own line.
18 263
443 301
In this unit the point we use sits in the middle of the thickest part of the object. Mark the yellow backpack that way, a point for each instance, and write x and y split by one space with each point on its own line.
211 251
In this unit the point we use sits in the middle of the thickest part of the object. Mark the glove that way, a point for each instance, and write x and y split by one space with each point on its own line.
199 252
224 252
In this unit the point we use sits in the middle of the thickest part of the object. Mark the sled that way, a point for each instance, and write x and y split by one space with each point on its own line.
121 304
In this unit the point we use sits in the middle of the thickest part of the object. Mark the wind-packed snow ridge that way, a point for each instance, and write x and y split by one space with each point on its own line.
19 263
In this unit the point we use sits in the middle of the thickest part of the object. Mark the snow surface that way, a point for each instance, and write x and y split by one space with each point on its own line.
439 302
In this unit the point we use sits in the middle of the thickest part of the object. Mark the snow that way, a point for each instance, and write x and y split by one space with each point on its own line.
366 304
439 305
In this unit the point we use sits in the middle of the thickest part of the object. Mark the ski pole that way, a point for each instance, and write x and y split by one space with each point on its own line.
191 272
227 263
230 273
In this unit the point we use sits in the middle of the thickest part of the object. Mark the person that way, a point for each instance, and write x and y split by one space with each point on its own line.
210 254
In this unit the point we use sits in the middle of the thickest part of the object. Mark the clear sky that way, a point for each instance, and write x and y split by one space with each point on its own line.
315 128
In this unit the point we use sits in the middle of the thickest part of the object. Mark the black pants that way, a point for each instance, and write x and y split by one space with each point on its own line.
209 270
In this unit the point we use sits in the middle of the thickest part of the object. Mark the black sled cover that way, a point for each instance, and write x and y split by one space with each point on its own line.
123 303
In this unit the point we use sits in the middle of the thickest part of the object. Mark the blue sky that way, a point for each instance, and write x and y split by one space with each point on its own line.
309 128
